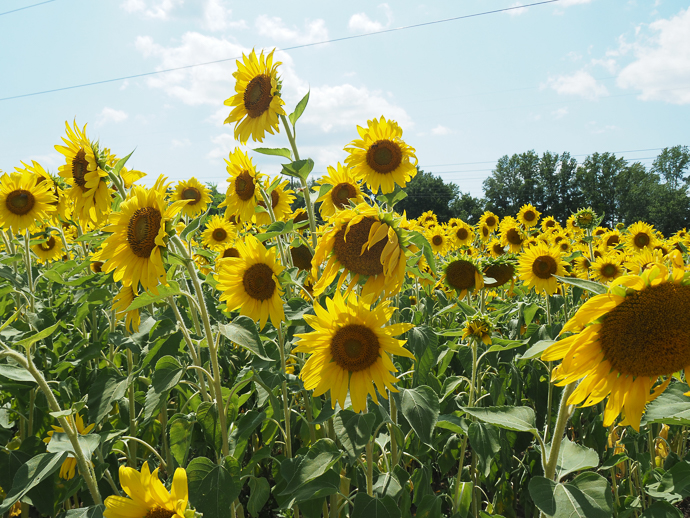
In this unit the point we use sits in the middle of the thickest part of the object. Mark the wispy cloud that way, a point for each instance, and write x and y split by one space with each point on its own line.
110 115
580 84
273 27
361 23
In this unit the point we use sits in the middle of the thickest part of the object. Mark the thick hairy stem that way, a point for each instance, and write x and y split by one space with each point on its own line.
370 467
564 413
394 441
132 449
29 271
286 407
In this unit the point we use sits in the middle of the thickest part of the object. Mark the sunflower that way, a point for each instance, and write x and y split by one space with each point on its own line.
611 239
257 103
463 275
538 265
549 224
24 201
218 234
147 495
63 207
478 327
243 194
51 249
69 466
511 235
428 219
640 235
364 243
250 282
197 194
228 251
381 158
581 266
490 220
302 257
528 215
89 190
343 189
462 234
643 260
607 268
129 176
496 248
501 271
351 348
121 302
281 199
625 340
438 239
138 236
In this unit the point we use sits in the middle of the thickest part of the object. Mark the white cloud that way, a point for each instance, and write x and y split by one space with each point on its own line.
518 11
110 115
361 23
152 8
273 27
560 113
441 130
573 56
661 70
581 84
217 16
607 63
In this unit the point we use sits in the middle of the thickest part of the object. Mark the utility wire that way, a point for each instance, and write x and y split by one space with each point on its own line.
335 40
26 7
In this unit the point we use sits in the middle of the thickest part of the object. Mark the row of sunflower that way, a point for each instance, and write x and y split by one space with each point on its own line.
336 360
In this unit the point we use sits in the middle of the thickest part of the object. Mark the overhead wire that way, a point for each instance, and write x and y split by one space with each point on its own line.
26 7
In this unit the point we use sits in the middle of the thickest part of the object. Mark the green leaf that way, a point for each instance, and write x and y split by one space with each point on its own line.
193 225
671 407
146 298
168 373
420 407
299 110
121 163
392 198
284 152
587 496
485 441
538 348
573 457
31 474
424 343
366 506
60 442
108 387
181 432
421 242
517 418
278 228
259 491
500 344
212 487
318 460
242 331
326 484
591 286
95 511
465 493
662 510
674 484
207 416
242 431
429 507
613 461
299 169
16 373
353 430
453 423
28 342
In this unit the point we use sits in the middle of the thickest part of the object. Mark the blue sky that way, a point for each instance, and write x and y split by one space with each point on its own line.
576 75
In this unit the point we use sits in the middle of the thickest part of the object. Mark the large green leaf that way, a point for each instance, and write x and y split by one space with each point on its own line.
318 460
369 507
259 491
60 442
168 373
242 431
95 511
591 286
31 474
662 510
48 331
587 496
671 407
517 418
353 430
146 298
181 432
484 439
573 457
108 387
207 416
212 487
420 407
674 484
16 373
284 152
242 331
299 169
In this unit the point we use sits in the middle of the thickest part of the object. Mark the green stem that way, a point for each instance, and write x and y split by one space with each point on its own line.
164 430
370 467
564 413
132 449
286 408
29 271
394 441
456 500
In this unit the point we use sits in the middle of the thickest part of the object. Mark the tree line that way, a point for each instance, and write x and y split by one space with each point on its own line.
558 185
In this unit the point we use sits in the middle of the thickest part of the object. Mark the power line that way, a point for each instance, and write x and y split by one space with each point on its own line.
335 40
26 7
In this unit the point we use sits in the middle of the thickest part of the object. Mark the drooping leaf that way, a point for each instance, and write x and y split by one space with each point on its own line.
181 432
242 331
353 430
573 457
485 441
212 487
421 408
259 491
587 496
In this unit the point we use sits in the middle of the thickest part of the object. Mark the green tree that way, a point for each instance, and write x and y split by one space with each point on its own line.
636 188
514 182
671 164
596 181
467 208
428 192
560 196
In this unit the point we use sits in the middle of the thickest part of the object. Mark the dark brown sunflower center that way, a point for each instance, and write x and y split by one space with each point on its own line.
191 193
231 252
97 267
355 347
142 230
564 245
48 245
612 240
349 252
460 274
257 96
384 156
275 199
462 233
159 512
341 193
491 221
501 273
609 270
219 234
20 202
301 257
529 215
498 249
641 240
550 223
485 231
437 240
599 232
648 334
544 267
80 166
244 186
258 281
514 237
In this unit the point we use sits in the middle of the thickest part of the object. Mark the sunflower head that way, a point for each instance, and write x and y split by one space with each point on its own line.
501 270
607 267
512 235
343 191
640 236
538 267
196 194
549 224
461 234
281 199
380 157
528 215
478 327
25 201
51 248
585 219
463 275
490 220
244 186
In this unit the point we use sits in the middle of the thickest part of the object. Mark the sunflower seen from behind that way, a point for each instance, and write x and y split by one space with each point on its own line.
351 349
244 187
148 497
463 275
381 158
625 342
538 266
24 201
256 104
250 282
344 190
197 195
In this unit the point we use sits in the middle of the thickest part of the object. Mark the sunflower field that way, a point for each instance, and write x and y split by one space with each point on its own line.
170 353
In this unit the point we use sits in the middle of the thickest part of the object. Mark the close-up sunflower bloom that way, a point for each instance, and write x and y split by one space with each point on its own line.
344 190
462 234
351 348
24 201
625 341
538 265
528 215
197 195
640 236
244 187
250 282
148 497
257 102
380 157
